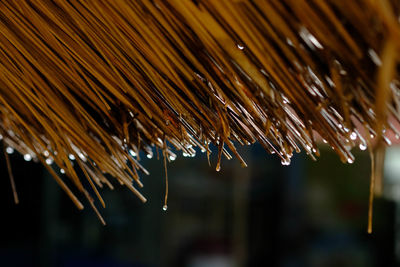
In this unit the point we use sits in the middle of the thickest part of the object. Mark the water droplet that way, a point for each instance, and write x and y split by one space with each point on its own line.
353 136
185 154
374 57
165 207
363 146
133 153
285 162
241 47
149 156
172 157
350 160
203 150
49 161
189 146
323 140
62 171
82 157
71 157
27 157
9 150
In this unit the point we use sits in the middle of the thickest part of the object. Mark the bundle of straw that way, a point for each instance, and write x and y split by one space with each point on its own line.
98 81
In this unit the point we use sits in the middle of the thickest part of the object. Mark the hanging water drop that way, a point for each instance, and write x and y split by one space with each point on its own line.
27 157
62 171
353 136
363 146
133 153
82 157
165 207
71 157
49 161
9 150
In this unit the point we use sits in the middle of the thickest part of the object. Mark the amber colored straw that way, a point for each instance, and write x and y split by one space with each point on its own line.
99 82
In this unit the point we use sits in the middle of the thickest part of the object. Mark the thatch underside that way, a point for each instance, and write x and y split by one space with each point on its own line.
89 84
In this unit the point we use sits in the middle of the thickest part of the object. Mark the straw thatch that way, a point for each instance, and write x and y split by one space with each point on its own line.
99 81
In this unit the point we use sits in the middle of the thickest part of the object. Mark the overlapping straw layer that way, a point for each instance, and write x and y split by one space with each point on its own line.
99 81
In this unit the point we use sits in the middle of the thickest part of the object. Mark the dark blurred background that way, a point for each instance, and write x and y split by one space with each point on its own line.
306 214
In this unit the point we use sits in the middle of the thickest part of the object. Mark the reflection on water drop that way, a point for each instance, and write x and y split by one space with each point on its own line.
49 161
363 146
82 157
62 171
241 47
71 157
350 160
9 150
133 153
165 207
27 157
